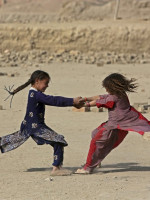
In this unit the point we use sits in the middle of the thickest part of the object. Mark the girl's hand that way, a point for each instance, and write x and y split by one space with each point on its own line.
82 100
77 103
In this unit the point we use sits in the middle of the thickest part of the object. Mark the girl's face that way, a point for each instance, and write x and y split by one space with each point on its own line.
107 90
41 85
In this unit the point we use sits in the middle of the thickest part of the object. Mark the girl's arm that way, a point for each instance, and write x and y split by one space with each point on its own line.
57 100
106 101
90 104
89 101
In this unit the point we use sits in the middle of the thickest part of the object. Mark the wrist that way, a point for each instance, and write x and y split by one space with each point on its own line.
85 99
73 101
87 104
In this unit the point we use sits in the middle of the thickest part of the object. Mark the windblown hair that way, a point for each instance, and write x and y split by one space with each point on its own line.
117 84
36 75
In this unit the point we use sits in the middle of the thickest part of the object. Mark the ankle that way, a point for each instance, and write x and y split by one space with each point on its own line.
55 168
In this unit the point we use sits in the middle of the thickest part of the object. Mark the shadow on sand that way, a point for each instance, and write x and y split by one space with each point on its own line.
73 169
124 167
113 168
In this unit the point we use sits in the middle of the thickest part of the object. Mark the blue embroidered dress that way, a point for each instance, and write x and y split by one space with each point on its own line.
33 124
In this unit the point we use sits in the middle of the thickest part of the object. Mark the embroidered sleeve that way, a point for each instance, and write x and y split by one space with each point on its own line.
54 100
106 101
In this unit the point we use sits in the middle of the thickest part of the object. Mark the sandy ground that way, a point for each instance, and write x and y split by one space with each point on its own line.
24 172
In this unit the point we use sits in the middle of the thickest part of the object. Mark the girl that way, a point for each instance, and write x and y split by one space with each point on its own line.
33 124
122 118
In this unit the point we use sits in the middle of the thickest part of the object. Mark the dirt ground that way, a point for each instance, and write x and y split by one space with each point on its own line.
78 43
25 172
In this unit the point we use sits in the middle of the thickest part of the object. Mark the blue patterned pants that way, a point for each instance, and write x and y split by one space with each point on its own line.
12 141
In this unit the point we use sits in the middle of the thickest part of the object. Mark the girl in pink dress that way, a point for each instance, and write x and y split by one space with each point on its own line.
122 118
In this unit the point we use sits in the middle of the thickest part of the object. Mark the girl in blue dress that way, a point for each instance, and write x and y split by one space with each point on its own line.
33 124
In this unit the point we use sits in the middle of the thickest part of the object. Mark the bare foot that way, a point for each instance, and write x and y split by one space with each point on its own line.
98 166
55 168
82 171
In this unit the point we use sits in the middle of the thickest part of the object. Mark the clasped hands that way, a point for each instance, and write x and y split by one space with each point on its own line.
78 102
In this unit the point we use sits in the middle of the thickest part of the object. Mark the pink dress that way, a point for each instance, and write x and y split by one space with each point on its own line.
122 117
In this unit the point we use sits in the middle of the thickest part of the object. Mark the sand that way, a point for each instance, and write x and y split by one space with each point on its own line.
25 172
51 29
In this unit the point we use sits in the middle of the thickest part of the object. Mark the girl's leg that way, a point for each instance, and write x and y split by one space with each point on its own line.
101 145
58 156
58 161
58 151
13 141
121 135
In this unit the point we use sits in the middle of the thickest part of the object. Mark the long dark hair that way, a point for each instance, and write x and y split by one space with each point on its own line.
38 74
117 84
